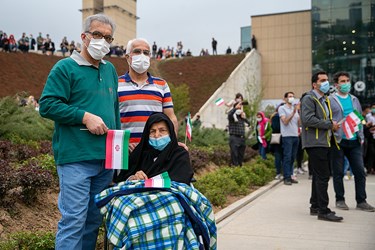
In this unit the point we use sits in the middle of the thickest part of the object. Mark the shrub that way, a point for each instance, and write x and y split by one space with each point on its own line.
205 136
220 155
44 161
7 178
29 241
45 147
33 180
22 122
181 99
199 158
216 186
13 152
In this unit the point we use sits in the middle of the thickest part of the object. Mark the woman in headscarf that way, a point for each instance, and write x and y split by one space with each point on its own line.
158 152
263 133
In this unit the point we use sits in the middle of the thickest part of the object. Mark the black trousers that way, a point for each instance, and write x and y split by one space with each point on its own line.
319 158
237 149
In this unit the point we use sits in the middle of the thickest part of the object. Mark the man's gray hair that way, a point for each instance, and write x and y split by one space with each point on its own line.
129 47
100 18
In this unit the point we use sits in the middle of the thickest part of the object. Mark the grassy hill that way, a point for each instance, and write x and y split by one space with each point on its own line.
28 73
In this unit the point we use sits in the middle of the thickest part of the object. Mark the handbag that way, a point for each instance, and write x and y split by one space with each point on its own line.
275 138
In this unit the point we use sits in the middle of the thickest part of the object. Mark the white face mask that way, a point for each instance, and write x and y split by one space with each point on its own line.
140 63
98 48
290 100
259 119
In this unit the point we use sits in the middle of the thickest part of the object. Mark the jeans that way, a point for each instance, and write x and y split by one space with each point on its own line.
290 146
319 158
278 153
80 218
237 149
347 167
353 151
262 151
300 152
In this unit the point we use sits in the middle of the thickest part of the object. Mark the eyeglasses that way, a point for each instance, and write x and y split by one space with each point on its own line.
162 131
139 51
98 35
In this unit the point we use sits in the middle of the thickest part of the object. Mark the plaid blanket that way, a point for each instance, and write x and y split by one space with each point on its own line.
157 218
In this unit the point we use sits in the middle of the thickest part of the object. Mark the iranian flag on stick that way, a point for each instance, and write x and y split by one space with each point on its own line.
348 130
188 127
363 121
219 102
350 125
117 149
162 181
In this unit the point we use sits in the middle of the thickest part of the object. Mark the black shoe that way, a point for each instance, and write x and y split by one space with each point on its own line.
294 181
314 211
330 217
287 182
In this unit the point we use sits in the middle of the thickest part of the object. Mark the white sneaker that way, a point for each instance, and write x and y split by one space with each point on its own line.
278 177
300 171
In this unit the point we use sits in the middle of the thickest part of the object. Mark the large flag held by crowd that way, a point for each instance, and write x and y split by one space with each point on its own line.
352 124
117 149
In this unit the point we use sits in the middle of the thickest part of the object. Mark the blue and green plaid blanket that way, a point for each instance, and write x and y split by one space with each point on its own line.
137 217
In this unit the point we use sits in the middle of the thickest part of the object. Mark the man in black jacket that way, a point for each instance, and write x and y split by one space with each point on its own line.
237 120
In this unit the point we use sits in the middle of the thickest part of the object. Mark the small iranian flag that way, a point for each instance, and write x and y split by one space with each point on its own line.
363 121
219 102
188 127
161 181
351 124
117 149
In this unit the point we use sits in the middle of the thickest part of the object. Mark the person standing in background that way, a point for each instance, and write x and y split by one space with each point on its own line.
214 46
236 127
263 133
289 124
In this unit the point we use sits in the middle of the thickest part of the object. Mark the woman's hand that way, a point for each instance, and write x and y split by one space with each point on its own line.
140 175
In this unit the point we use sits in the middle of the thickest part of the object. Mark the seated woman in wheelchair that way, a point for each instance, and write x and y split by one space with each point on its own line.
158 152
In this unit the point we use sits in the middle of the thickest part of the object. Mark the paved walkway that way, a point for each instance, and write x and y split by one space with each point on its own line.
280 219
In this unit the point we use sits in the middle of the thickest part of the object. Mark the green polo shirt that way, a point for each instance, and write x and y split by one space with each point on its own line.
74 87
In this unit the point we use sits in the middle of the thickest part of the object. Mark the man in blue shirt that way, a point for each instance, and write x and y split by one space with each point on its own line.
343 104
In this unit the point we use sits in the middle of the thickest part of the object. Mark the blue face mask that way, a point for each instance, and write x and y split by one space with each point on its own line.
324 87
345 88
159 143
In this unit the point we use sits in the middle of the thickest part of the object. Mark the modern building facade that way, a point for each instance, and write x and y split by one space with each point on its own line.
335 35
122 12
284 43
343 39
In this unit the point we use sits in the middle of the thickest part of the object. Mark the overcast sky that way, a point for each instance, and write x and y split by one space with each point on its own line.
194 22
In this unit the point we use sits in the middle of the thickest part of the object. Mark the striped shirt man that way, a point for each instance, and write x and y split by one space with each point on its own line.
138 102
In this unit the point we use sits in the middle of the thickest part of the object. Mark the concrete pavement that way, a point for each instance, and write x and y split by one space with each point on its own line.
278 217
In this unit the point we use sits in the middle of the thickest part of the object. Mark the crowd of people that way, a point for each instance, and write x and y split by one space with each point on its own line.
47 46
318 123
43 44
84 110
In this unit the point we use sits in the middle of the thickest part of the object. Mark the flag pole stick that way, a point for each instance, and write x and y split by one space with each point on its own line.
186 122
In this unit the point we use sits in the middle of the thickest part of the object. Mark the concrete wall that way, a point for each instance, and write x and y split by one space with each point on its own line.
284 42
246 79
